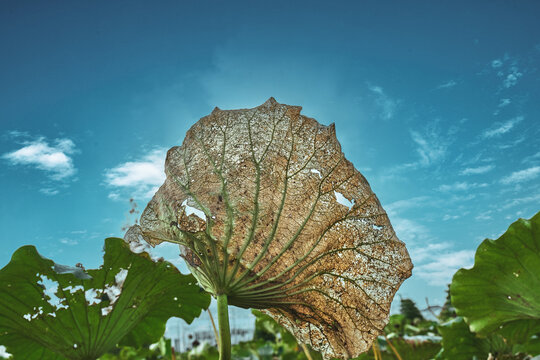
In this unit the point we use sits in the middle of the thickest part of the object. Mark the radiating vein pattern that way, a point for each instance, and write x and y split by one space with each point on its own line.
268 211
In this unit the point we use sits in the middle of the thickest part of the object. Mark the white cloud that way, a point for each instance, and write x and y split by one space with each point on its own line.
497 63
49 191
409 231
512 143
460 186
501 128
113 196
434 261
478 158
447 84
68 241
532 158
521 201
477 170
522 175
512 78
142 177
484 216
462 198
386 104
52 158
430 146
450 217
504 102
18 134
425 252
400 205
439 272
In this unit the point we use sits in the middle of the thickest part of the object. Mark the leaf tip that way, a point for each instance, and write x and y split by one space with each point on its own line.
271 101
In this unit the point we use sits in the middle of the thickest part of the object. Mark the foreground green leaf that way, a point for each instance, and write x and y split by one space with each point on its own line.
51 311
458 343
502 291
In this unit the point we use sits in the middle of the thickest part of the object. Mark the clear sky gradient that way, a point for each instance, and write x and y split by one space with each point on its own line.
435 102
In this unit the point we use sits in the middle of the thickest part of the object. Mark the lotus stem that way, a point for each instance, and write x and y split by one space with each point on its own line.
392 347
213 326
224 329
306 351
376 351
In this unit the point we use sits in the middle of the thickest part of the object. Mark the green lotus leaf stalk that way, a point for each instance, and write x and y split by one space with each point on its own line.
270 215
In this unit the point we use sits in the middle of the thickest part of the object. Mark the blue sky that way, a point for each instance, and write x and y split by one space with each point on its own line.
436 103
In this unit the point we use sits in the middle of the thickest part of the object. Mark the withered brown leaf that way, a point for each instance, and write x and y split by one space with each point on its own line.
268 211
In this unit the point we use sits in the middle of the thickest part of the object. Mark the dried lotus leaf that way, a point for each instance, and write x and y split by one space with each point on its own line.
269 212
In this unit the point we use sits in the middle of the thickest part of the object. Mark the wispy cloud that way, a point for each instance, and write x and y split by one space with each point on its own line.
430 146
512 77
439 272
513 143
507 69
501 128
504 102
497 63
425 253
435 261
69 241
522 200
401 205
386 104
52 157
477 170
141 177
411 232
479 157
522 175
461 186
532 158
447 217
461 198
49 191
448 84
484 216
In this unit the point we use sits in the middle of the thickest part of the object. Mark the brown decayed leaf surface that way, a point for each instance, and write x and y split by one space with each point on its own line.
275 233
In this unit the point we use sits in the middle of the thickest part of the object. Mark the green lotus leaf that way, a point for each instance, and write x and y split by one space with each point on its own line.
531 347
271 215
414 347
459 343
160 350
502 291
51 311
203 351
